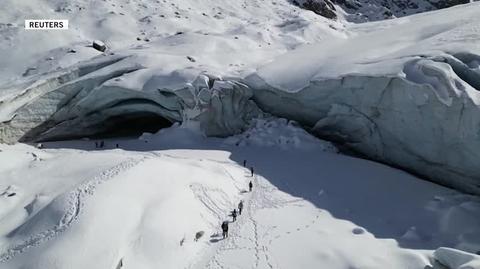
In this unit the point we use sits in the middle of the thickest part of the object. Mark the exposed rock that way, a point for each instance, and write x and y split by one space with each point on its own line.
447 3
323 8
30 71
99 45
374 10
198 235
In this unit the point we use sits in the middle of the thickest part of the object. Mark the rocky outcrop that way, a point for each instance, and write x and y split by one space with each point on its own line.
374 10
86 101
427 122
99 45
323 8
439 4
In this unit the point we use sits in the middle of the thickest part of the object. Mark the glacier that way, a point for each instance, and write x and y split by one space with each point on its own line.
90 100
403 92
389 119
410 99
191 101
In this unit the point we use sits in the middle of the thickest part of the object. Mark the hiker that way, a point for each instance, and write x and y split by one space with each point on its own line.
225 229
234 215
251 171
240 207
250 186
244 163
96 144
116 145
102 144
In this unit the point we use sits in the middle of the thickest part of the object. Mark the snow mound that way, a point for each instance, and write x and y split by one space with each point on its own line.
280 133
102 207
185 134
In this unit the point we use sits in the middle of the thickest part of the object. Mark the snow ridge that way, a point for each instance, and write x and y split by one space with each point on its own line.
75 200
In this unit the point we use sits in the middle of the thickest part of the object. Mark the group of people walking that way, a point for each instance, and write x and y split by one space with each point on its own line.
101 145
235 213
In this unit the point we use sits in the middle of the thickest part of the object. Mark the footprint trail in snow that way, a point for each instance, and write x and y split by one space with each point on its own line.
75 201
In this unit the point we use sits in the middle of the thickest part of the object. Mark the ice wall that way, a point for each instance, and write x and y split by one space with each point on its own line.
425 120
95 97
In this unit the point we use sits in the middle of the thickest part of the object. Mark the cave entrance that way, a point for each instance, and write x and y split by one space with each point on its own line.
132 125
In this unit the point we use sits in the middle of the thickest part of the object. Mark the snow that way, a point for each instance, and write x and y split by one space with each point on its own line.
279 133
401 91
396 42
80 207
153 41
261 47
230 37
140 202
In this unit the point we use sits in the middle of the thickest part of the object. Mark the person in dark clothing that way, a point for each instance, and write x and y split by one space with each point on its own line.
116 145
251 171
250 186
234 215
96 144
244 163
225 229
240 207
102 144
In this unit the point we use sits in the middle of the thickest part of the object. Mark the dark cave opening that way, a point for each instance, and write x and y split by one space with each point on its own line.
131 125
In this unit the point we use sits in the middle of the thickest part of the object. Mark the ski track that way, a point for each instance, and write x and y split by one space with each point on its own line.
252 207
261 198
201 193
76 201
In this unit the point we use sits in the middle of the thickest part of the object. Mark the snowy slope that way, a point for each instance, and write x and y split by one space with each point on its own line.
141 206
245 31
381 48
